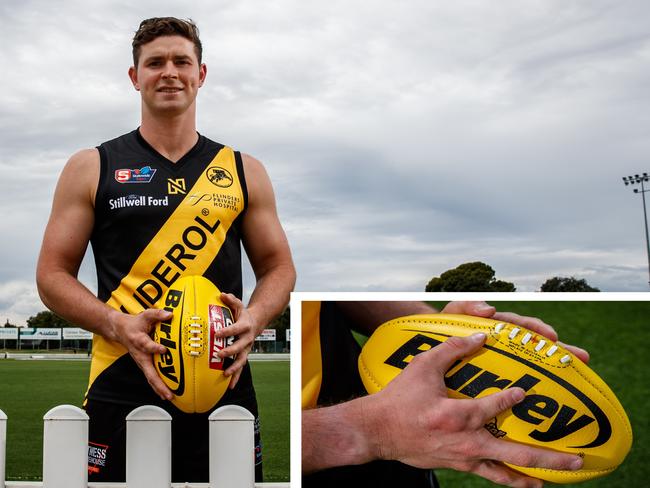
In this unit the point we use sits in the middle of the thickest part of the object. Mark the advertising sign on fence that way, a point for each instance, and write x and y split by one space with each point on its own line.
8 334
75 333
41 334
266 335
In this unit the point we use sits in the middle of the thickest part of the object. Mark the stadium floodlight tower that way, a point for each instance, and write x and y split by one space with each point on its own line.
633 180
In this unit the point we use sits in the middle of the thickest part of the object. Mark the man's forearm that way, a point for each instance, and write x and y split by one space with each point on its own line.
367 316
66 296
339 435
271 295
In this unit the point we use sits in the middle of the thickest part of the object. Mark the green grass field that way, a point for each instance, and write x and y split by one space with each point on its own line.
617 335
28 389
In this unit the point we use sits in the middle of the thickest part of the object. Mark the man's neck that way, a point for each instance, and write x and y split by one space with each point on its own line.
172 137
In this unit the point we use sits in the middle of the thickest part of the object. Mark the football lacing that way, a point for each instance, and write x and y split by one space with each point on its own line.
526 339
196 336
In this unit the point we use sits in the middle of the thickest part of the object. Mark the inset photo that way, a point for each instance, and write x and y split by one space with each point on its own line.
428 390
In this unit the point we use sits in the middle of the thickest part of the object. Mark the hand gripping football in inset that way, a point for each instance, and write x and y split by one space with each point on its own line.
567 408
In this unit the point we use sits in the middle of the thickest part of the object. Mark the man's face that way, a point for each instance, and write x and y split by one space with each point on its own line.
168 75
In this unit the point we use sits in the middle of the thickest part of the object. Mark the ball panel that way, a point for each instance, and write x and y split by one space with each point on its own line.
567 407
208 368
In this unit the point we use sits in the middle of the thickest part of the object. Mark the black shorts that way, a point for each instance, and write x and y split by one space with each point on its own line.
107 442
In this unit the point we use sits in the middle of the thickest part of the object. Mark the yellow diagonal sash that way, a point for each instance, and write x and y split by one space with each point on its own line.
186 244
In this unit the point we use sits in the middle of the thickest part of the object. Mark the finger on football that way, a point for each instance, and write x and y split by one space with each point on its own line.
237 365
578 352
502 475
453 349
235 348
147 345
492 405
158 386
476 308
530 457
532 323
235 379
232 330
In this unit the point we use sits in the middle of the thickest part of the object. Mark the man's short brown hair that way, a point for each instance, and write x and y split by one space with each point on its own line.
155 27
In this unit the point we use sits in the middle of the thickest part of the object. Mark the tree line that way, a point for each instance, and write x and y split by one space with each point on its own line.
475 276
44 319
478 276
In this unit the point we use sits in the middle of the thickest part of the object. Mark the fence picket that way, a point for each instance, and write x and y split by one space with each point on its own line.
3 447
148 448
232 448
65 448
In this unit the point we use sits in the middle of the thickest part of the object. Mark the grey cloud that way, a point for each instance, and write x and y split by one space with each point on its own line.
402 139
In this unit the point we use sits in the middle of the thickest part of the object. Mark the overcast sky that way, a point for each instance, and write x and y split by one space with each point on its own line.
402 138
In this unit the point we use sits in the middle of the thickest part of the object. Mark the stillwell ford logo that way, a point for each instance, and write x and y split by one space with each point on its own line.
137 201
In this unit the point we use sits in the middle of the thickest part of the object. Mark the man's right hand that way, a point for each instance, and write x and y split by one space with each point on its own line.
134 333
414 421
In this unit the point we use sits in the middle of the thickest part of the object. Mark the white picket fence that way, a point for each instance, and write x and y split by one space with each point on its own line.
148 450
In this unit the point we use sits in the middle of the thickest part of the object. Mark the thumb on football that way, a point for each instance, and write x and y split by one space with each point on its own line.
156 315
153 316
476 308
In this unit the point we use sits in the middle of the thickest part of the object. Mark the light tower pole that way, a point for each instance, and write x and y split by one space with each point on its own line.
636 179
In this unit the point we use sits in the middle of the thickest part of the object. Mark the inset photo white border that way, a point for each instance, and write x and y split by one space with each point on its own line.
297 298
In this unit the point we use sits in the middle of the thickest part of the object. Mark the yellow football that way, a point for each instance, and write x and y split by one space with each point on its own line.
567 407
191 367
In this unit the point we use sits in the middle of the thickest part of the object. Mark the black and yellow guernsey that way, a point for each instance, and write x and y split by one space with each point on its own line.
155 221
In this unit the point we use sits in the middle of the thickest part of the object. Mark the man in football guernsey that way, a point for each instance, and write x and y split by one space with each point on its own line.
394 437
156 204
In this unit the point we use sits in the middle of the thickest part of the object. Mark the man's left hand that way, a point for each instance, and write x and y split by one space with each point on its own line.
246 331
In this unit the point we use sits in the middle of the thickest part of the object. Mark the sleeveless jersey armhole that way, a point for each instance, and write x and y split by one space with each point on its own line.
103 174
242 178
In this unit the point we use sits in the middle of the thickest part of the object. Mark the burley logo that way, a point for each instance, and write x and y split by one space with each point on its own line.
173 358
142 175
539 411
